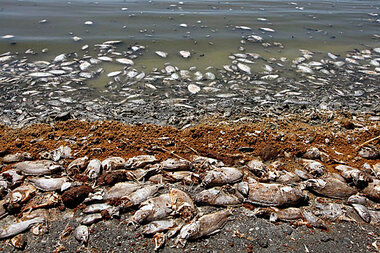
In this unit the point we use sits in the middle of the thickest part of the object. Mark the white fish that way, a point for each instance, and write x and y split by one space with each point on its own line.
76 38
81 233
89 23
185 54
305 69
332 56
16 228
48 184
105 58
115 73
41 74
247 28
266 29
193 89
125 61
244 68
8 36
161 54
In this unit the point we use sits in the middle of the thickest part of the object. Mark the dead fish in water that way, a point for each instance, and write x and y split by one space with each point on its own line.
176 164
81 233
140 195
18 157
48 184
16 228
362 211
15 199
216 197
372 191
221 176
275 214
330 187
121 190
206 225
113 163
37 168
274 195
140 161
94 169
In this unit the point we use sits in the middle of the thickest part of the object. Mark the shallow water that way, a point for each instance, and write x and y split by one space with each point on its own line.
320 26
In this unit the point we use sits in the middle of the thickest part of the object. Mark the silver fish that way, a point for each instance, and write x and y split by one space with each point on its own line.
16 228
221 176
330 187
362 211
159 226
217 197
91 219
48 184
140 195
313 220
121 190
176 164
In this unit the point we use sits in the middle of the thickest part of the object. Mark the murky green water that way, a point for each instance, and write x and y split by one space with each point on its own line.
211 36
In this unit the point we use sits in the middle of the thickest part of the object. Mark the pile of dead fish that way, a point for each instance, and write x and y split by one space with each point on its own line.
165 197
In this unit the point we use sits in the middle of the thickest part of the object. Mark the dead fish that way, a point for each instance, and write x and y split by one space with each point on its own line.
287 177
357 199
372 191
91 219
375 217
44 200
19 227
175 164
161 54
206 163
186 177
18 157
97 208
244 68
331 211
121 190
152 209
62 152
48 184
216 197
140 161
369 152
206 225
313 220
113 163
303 175
354 176
11 177
274 195
79 163
37 168
81 234
159 240
94 169
221 176
315 168
362 211
185 54
181 204
330 187
159 226
275 214
257 167
15 199
140 195
125 61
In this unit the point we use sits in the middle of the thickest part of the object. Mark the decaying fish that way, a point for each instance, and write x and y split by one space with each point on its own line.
113 163
19 241
18 157
206 225
140 161
12 178
206 163
139 174
94 169
48 184
62 152
315 168
19 227
286 177
121 190
257 167
159 240
81 234
363 212
354 176
221 176
186 177
181 204
15 199
159 226
176 164
44 200
112 177
372 191
313 220
216 197
357 199
330 187
80 164
91 219
152 209
140 195
274 195
37 168
275 214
